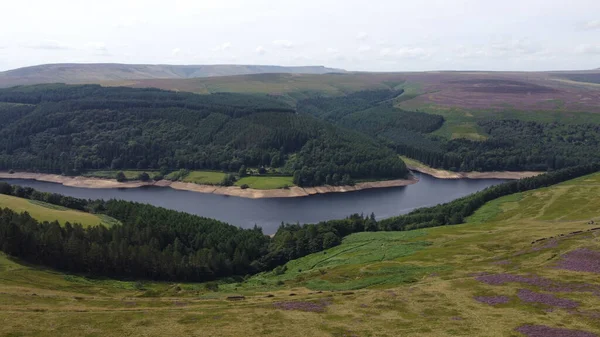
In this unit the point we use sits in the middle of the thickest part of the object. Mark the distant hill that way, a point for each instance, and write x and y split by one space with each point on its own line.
76 73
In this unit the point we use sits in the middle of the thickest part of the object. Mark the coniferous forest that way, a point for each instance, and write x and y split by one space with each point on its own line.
69 129
512 145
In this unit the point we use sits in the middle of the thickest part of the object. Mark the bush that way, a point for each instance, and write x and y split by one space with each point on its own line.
11 172
158 177
143 176
211 286
228 180
121 177
244 186
280 270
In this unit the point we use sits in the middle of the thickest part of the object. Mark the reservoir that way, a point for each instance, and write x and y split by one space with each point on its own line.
269 213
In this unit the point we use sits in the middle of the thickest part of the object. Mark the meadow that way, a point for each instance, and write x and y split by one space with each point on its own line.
522 265
266 182
204 177
42 211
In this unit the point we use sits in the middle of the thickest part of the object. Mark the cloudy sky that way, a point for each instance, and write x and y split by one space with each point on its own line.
377 35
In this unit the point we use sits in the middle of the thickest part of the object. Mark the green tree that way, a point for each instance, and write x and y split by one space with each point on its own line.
242 173
121 176
144 176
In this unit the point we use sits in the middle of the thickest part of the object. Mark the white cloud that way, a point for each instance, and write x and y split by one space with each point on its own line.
260 50
362 36
176 52
385 52
331 51
129 21
591 25
97 48
588 49
284 44
364 49
222 47
50 45
412 52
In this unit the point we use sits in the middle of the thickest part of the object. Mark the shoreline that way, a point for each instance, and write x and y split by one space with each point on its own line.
443 174
235 191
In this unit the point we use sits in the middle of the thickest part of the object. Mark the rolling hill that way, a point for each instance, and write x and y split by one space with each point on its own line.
81 73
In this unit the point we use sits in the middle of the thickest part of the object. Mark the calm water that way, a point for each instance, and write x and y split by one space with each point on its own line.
269 213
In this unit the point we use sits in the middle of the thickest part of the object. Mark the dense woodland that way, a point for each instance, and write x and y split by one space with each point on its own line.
70 129
512 145
160 244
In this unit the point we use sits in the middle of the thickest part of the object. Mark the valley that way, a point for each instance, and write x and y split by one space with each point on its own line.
484 277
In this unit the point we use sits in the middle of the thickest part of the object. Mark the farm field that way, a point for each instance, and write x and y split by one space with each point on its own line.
266 182
523 265
42 211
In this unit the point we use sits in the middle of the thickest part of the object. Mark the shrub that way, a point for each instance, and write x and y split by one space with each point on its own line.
244 186
11 172
143 176
211 286
158 177
280 270
121 177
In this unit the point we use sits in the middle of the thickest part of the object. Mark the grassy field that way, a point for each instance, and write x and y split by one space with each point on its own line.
266 182
112 174
47 212
204 177
431 282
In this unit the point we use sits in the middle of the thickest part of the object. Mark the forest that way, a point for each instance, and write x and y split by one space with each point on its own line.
150 243
70 129
511 145
159 244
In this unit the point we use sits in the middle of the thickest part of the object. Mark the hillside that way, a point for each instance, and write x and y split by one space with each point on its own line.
522 265
70 129
82 73
489 91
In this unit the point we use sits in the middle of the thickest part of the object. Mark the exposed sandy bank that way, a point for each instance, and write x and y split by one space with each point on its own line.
443 174
294 191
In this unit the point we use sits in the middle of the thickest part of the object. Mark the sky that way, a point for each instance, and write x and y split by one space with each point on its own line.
375 35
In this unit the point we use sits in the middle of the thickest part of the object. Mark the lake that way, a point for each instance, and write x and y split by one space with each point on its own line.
269 213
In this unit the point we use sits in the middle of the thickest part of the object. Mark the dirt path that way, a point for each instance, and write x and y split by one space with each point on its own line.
292 192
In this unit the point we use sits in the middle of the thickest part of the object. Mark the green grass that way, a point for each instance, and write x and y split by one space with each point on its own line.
42 211
112 174
462 123
204 177
266 182
416 283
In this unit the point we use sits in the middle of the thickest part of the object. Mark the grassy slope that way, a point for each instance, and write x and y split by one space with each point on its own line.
418 283
47 212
